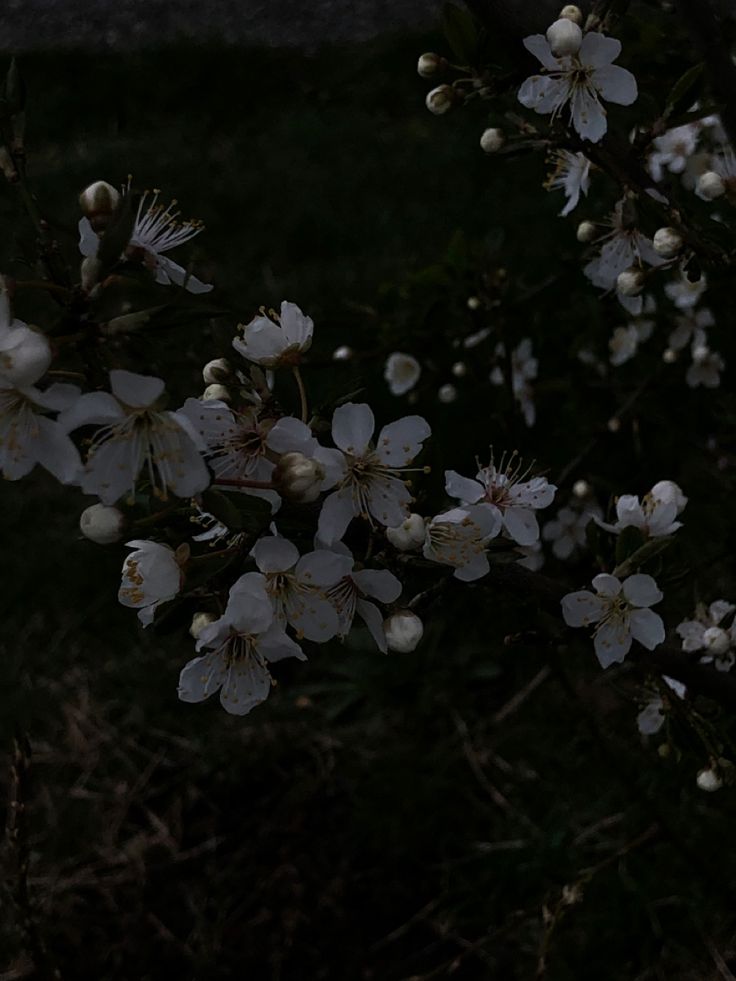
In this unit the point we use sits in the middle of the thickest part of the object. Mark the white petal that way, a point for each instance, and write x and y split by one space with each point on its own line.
93 408
297 327
352 427
373 619
88 240
201 677
605 585
598 50
388 501
521 524
466 490
249 607
616 84
641 590
323 567
380 584
588 115
274 554
612 643
290 435
629 512
647 627
311 616
538 45
691 632
475 569
334 465
582 608
112 469
399 442
336 514
544 94
136 391
247 684
56 452
275 645
651 718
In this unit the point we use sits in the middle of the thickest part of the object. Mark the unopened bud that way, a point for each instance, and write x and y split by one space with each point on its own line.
667 242
216 393
403 631
298 478
709 780
409 534
24 356
586 232
573 13
431 64
473 303
441 99
102 524
89 273
565 37
447 393
217 372
614 424
630 282
581 488
710 186
98 202
716 640
669 356
199 622
343 353
459 369
492 140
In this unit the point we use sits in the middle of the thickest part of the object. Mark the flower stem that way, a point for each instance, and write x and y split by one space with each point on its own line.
302 392
244 482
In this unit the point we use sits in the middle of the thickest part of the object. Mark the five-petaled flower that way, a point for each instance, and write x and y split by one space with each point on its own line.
276 339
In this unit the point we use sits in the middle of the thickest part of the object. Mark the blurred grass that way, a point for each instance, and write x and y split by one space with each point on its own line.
370 820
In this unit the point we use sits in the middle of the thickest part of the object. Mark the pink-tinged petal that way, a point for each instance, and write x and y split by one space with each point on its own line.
538 45
135 391
91 409
336 514
616 84
373 619
544 94
641 590
521 524
89 240
612 642
598 50
475 569
201 677
379 584
290 435
463 488
605 585
647 627
588 115
399 442
275 645
275 554
56 452
352 427
581 609
247 684
323 567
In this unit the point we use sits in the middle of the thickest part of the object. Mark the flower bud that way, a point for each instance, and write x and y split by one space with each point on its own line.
492 140
24 357
573 13
709 780
710 186
343 353
667 242
409 534
89 273
581 488
716 641
98 202
669 356
630 282
473 303
430 64
565 37
297 478
447 393
586 231
403 631
102 524
216 393
217 372
199 622
459 369
441 99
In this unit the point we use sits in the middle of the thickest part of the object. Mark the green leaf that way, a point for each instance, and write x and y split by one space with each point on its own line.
460 29
639 556
684 90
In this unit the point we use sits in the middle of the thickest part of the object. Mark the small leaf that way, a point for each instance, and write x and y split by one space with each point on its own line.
461 31
636 559
684 90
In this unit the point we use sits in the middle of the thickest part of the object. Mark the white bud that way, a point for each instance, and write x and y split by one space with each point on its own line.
403 631
89 273
199 622
410 533
573 13
459 369
667 242
430 64
669 356
402 372
709 780
217 372
565 37
25 355
710 186
440 100
343 353
102 524
216 393
99 199
447 393
586 231
298 478
473 303
492 140
581 488
630 282
614 424
716 640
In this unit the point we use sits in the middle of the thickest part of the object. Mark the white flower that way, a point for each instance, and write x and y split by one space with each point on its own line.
151 575
240 445
505 492
673 149
723 167
402 372
624 344
706 366
298 586
460 537
688 325
25 354
367 477
403 631
621 611
28 437
581 80
241 644
706 633
567 530
684 293
524 368
276 340
156 230
136 435
651 718
572 175
348 596
654 516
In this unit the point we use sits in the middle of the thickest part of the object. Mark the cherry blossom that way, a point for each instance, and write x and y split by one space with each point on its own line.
654 516
241 644
524 367
402 372
567 530
686 293
275 339
706 633
673 149
367 476
621 612
572 175
460 537
651 718
135 435
581 80
151 576
28 436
